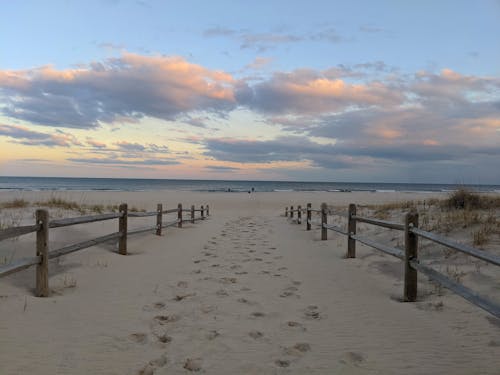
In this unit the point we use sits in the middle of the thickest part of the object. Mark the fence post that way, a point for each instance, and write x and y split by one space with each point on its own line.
299 215
308 216
42 250
208 211
122 228
351 229
192 214
286 211
324 234
411 253
179 215
159 216
202 214
291 211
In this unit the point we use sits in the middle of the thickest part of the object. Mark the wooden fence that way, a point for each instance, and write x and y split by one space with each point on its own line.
42 256
409 255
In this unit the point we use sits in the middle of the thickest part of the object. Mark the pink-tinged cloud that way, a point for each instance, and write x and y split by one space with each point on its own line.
312 92
131 86
25 136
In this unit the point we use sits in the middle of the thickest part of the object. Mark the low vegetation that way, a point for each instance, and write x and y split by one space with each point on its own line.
63 204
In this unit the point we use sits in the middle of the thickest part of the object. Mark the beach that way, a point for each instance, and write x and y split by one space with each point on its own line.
247 290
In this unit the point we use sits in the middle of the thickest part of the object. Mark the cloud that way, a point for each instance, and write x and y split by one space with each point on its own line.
263 41
25 136
221 168
309 91
259 62
219 31
121 162
281 149
129 87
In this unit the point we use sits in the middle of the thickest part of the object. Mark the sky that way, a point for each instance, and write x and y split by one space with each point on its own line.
354 91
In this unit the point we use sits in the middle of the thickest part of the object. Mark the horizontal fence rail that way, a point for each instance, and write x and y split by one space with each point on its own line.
409 255
41 228
19 265
18 231
81 220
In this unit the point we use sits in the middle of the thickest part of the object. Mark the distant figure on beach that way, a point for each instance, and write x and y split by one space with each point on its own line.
253 189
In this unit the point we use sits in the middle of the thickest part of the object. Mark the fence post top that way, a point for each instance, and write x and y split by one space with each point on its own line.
179 205
324 206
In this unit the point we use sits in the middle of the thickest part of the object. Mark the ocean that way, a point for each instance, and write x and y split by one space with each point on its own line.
126 184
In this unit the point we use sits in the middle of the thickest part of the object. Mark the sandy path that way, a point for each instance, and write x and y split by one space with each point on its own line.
239 294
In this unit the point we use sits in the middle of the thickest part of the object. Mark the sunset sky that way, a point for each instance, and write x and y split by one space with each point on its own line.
362 91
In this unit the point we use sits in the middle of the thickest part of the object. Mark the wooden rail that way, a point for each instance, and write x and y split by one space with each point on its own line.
409 255
42 225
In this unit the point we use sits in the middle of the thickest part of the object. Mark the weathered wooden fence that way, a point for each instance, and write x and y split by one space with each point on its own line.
409 255
42 255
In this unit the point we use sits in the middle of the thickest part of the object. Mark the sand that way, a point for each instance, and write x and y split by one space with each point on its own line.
245 291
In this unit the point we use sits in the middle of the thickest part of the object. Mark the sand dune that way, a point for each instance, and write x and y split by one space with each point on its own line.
246 292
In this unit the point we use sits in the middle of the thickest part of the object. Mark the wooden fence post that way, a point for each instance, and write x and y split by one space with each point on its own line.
299 215
192 214
159 216
122 228
202 213
208 211
308 217
411 253
286 211
179 215
324 234
42 250
351 229
291 211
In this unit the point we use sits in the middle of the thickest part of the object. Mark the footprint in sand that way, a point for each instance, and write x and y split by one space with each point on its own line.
255 334
154 306
212 335
311 312
352 358
164 338
222 293
298 349
181 297
228 280
182 284
192 364
164 319
151 367
257 314
296 325
139 338
282 363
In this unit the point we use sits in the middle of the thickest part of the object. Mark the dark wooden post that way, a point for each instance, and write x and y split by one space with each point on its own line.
159 216
179 215
122 228
42 250
286 211
299 215
351 229
291 211
324 234
308 220
208 211
411 253
202 213
192 214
